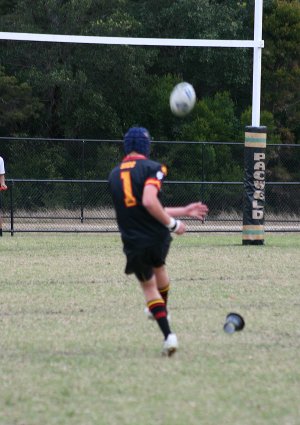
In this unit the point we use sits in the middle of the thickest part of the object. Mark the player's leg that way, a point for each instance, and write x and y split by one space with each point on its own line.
141 265
163 282
157 257
155 304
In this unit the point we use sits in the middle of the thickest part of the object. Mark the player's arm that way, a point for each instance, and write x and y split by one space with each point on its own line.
154 207
196 209
2 175
2 182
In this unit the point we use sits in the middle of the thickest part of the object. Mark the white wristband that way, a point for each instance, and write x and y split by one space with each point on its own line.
174 225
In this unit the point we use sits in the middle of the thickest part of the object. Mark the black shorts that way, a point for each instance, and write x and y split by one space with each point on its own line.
142 262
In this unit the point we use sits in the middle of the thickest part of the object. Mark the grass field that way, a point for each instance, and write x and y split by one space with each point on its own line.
76 349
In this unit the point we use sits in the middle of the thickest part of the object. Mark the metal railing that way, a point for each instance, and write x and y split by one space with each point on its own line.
83 204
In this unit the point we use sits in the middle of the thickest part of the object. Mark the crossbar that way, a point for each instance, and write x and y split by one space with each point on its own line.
177 42
257 44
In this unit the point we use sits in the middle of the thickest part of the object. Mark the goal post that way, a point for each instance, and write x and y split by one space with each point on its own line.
249 234
255 151
254 185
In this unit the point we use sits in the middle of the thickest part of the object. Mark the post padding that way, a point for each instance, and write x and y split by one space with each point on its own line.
254 185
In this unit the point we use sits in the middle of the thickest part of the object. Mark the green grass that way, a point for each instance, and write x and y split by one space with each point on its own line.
75 348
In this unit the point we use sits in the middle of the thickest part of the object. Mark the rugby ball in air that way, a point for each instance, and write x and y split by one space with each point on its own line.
182 99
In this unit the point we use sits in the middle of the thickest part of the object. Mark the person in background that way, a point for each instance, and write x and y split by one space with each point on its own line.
2 187
146 226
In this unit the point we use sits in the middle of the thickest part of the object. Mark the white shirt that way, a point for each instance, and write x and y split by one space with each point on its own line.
2 169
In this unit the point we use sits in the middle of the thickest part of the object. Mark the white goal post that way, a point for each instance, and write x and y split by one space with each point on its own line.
256 44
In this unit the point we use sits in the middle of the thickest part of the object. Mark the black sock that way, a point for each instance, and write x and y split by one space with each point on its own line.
158 309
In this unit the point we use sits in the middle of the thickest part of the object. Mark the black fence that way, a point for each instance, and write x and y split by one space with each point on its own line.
61 185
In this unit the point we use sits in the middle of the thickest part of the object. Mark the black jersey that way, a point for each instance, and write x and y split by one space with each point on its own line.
127 181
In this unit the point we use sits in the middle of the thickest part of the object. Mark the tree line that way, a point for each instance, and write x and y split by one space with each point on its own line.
59 90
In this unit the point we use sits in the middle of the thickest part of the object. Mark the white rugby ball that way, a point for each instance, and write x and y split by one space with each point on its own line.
182 99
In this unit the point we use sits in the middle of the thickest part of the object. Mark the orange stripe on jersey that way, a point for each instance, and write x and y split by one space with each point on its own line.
164 170
128 164
154 182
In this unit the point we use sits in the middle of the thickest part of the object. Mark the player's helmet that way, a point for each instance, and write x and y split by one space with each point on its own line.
137 139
